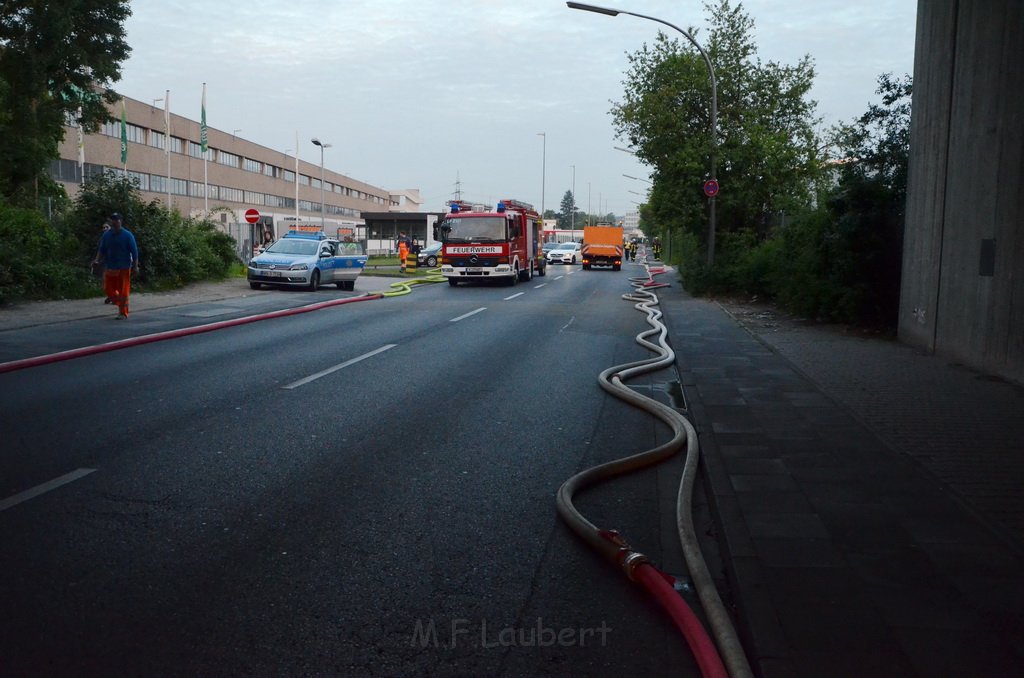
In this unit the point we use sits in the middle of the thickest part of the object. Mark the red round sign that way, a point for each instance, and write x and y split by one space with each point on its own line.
252 215
711 188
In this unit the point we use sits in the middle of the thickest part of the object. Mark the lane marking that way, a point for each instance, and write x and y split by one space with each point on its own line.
44 488
566 325
537 287
463 317
517 294
329 370
559 277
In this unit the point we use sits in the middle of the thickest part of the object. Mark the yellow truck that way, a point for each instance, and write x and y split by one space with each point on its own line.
602 246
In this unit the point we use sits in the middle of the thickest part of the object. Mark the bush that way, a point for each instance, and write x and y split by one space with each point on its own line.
43 261
36 261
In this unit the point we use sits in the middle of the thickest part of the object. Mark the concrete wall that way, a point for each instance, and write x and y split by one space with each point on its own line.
963 261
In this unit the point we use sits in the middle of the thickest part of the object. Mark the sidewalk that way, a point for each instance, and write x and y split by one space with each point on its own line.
34 314
868 496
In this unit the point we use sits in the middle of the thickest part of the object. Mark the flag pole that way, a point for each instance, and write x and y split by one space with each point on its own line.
167 149
296 175
203 145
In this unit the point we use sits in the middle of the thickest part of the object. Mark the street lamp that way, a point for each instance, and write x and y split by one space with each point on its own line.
323 208
638 178
714 105
543 171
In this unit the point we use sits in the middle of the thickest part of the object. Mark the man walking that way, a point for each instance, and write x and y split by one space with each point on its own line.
120 254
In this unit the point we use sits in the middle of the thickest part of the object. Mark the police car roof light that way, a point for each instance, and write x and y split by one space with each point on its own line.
501 206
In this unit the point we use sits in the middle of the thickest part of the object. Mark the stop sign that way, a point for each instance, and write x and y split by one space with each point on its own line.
252 215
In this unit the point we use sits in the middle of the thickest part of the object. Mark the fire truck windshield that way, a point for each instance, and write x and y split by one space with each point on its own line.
473 229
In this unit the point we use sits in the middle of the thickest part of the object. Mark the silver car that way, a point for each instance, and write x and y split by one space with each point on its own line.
307 260
565 253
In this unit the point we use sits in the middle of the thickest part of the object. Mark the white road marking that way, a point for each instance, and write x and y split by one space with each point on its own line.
517 294
537 287
329 370
559 277
463 317
44 488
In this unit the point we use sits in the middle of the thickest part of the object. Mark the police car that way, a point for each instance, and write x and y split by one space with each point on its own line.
307 258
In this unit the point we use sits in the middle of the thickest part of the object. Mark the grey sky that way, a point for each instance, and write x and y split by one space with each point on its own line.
415 93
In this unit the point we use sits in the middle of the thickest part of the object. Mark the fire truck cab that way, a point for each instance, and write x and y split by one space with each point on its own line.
481 244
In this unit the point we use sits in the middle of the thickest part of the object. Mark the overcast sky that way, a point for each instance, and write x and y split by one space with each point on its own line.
422 93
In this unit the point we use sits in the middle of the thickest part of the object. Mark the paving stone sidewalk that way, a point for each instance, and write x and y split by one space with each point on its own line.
965 427
851 548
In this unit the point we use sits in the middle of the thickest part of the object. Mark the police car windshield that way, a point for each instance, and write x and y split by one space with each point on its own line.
474 229
295 246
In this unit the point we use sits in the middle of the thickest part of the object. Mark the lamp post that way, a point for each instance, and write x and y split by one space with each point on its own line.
714 104
638 178
323 207
543 171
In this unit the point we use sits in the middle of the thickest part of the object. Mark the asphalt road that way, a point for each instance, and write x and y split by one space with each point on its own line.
361 490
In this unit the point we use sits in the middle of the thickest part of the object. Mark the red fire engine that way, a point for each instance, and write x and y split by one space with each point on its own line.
480 244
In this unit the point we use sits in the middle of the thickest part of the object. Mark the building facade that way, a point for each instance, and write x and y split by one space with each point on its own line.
231 177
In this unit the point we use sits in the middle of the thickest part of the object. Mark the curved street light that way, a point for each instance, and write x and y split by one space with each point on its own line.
323 210
607 11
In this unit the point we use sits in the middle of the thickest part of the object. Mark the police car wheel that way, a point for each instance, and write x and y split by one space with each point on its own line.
314 281
255 286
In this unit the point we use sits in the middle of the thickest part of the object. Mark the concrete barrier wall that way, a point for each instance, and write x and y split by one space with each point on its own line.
963 262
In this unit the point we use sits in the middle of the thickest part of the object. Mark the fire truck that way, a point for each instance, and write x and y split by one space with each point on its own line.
481 244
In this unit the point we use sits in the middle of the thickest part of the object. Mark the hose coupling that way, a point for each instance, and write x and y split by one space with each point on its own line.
633 560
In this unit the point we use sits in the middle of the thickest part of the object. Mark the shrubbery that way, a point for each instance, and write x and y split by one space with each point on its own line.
51 261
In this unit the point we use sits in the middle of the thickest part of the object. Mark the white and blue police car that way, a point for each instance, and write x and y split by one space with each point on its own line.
307 258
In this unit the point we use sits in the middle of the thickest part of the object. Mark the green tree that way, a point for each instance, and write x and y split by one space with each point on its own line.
566 211
766 153
56 60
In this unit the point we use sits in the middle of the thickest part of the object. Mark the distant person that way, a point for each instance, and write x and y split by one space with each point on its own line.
403 248
119 253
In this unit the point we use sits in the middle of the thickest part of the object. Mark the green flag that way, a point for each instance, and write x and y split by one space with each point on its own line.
124 136
202 124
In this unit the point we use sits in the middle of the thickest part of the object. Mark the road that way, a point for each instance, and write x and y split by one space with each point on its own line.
366 489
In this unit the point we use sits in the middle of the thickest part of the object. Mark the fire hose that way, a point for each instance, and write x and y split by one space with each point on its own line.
612 546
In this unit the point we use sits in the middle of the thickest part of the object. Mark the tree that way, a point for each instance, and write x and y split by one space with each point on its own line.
566 210
766 153
56 60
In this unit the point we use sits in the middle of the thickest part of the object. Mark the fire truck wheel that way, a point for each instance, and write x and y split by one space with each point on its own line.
514 278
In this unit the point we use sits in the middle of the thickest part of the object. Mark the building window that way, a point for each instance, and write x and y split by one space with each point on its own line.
196 189
289 176
229 159
232 194
140 179
196 150
157 139
304 180
250 165
157 183
176 145
270 170
253 198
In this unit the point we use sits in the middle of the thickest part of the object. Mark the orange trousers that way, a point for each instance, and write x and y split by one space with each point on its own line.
403 252
118 285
